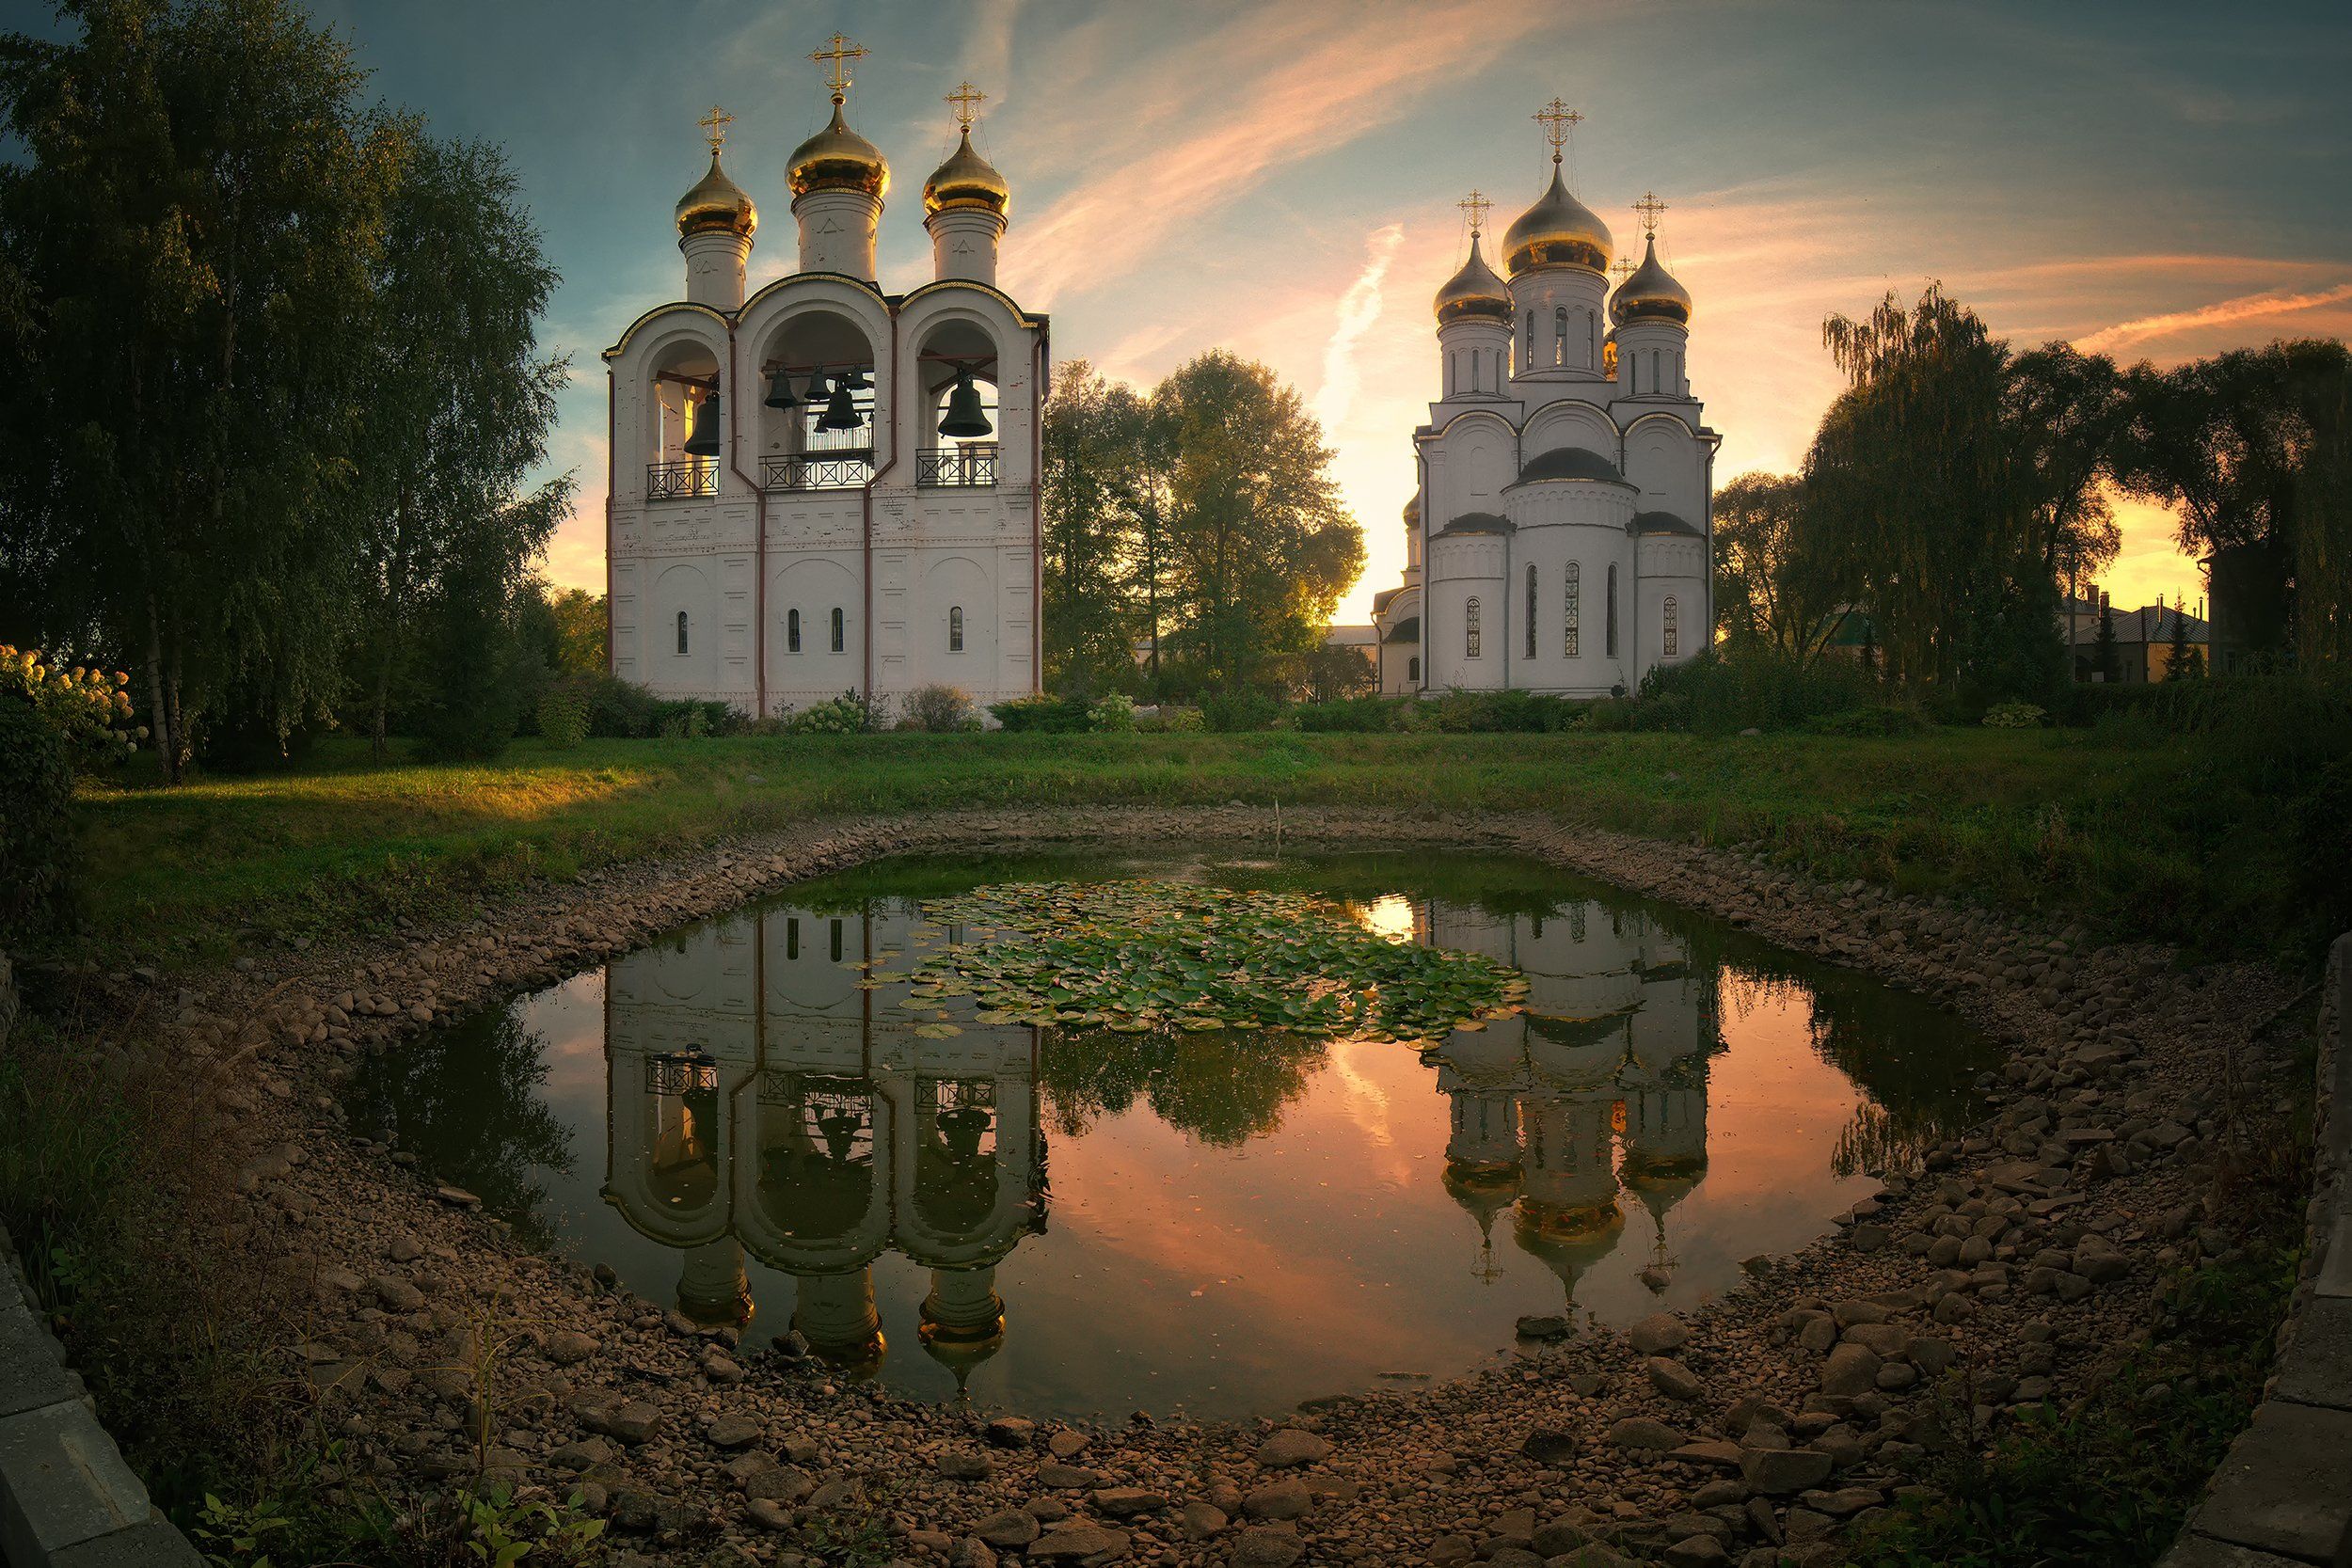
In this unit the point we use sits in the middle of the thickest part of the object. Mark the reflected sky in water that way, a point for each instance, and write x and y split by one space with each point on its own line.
1082 1223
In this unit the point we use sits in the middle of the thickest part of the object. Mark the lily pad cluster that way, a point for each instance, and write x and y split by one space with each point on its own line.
1138 956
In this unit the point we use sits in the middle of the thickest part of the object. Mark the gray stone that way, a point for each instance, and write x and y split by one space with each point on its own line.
1075 1542
1263 1546
1278 1500
1543 1327
768 1513
1290 1446
964 1464
1696 1551
1010 1431
1781 1472
62 1480
569 1348
1850 1370
2202 1551
1551 1446
31 1373
1126 1502
1658 1334
1672 1378
2318 1366
155 1544
2280 1489
1199 1521
733 1430
1065 1477
1013 1528
1641 1432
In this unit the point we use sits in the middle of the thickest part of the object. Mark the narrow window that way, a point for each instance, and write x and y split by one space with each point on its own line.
1412 669
955 629
1527 344
1531 611
1560 334
792 937
681 631
837 942
1613 610
792 631
1574 609
1470 629
838 640
1669 627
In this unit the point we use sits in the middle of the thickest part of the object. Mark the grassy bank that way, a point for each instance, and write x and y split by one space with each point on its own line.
2137 838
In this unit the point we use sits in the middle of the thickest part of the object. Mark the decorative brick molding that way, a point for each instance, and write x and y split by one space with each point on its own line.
2284 1496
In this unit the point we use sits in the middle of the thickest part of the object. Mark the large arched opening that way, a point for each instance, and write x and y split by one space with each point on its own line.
816 394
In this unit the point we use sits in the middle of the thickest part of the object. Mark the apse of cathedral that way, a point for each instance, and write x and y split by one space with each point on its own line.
829 487
1560 537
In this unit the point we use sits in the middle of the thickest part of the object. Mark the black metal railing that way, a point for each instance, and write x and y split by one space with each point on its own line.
671 481
974 462
847 470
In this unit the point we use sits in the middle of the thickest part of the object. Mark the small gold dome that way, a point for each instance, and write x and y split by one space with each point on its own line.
1558 232
1474 292
838 159
966 179
716 202
1650 293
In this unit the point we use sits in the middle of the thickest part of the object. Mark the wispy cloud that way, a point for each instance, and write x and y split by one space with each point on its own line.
2223 314
1360 307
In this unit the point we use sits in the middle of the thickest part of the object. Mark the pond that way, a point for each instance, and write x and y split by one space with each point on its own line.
835 1112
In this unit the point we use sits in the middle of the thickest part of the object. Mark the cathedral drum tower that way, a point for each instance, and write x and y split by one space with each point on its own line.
828 486
1560 537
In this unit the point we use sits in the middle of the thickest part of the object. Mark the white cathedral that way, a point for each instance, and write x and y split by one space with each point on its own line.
826 487
1560 537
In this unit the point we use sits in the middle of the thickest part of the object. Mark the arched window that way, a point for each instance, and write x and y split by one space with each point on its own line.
955 629
1527 344
838 640
1412 669
681 631
1531 610
1574 609
1470 628
1669 625
1560 334
1613 610
792 631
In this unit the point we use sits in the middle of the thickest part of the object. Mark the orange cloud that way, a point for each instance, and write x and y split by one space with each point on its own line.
2224 314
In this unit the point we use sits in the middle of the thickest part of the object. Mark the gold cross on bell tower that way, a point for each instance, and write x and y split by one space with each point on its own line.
839 51
963 98
714 126
1557 120
1475 207
1649 206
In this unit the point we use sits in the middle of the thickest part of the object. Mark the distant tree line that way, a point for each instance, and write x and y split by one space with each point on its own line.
1956 488
1195 540
276 386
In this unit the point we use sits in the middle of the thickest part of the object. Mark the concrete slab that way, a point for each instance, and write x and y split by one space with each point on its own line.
2282 1489
2317 1367
62 1481
155 1544
2202 1551
31 1374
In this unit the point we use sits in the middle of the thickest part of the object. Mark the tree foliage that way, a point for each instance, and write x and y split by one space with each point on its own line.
1777 587
1097 474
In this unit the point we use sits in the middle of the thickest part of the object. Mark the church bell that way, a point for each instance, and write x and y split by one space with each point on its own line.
780 393
966 417
840 413
704 441
815 392
855 380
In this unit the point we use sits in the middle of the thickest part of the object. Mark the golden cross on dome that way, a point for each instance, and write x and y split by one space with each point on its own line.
1649 206
1477 206
963 98
840 51
714 126
1624 269
1557 120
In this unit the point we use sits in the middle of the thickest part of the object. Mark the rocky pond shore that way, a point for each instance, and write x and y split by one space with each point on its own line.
2010 1272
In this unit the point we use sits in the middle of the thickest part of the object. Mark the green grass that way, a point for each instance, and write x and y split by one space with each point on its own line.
2127 835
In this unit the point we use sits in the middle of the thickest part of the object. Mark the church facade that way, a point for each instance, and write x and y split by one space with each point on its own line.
1560 539
825 487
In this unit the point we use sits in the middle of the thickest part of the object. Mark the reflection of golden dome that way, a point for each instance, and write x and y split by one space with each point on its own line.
1558 232
966 179
1650 293
1474 292
838 159
716 203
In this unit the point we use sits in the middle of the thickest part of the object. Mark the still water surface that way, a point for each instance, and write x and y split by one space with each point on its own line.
1083 1223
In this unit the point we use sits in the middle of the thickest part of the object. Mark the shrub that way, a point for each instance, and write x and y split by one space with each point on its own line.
1352 716
565 711
89 709
1233 712
2014 716
37 859
1755 689
1170 718
848 714
940 710
1879 718
1049 715
1113 714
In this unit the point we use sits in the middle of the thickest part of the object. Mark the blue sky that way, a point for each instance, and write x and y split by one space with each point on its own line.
1279 176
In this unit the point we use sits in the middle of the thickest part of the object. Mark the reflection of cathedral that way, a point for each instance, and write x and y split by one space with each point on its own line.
1598 1088
762 1101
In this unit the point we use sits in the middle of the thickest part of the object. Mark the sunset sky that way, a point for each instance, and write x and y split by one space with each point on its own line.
1279 177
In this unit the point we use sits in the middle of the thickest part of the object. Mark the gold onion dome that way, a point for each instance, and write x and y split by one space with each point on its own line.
1474 292
1558 232
838 159
966 179
715 203
1650 293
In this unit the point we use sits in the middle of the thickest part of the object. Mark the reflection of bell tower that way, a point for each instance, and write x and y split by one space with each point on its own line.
963 1320
1571 1187
837 1314
712 1288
